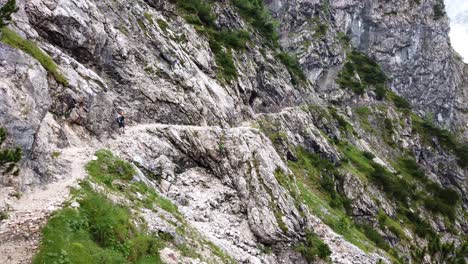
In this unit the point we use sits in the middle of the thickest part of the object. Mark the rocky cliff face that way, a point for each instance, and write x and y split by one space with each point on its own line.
259 160
409 39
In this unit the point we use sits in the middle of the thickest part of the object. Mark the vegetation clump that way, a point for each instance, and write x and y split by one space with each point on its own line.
442 200
439 10
400 102
276 136
12 38
99 231
363 114
320 30
374 236
294 69
8 157
200 13
162 25
344 125
313 247
107 167
429 131
360 72
255 12
6 11
316 179
3 215
392 225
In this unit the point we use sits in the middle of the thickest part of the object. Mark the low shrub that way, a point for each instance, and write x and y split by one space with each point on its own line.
389 223
392 185
374 236
347 79
313 247
419 226
6 11
9 157
388 132
270 130
200 10
363 114
369 72
409 166
344 39
320 30
235 39
259 16
400 102
225 62
357 158
368 155
429 131
294 69
3 215
344 125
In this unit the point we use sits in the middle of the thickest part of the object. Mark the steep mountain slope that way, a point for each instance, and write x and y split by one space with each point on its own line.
409 39
235 151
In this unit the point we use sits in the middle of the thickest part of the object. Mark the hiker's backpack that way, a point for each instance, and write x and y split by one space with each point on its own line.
119 120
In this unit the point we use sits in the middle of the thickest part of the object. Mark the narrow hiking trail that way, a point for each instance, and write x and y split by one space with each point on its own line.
20 233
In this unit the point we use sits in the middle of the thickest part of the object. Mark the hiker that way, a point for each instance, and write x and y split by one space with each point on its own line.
121 122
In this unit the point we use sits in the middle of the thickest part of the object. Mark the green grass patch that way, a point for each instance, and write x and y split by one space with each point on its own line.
388 131
356 157
162 25
344 39
221 44
392 225
3 215
335 219
152 197
108 168
99 231
343 125
320 30
220 253
12 38
200 13
374 236
316 178
149 17
363 114
420 226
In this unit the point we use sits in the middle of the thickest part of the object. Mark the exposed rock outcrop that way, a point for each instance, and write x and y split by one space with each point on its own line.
257 163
